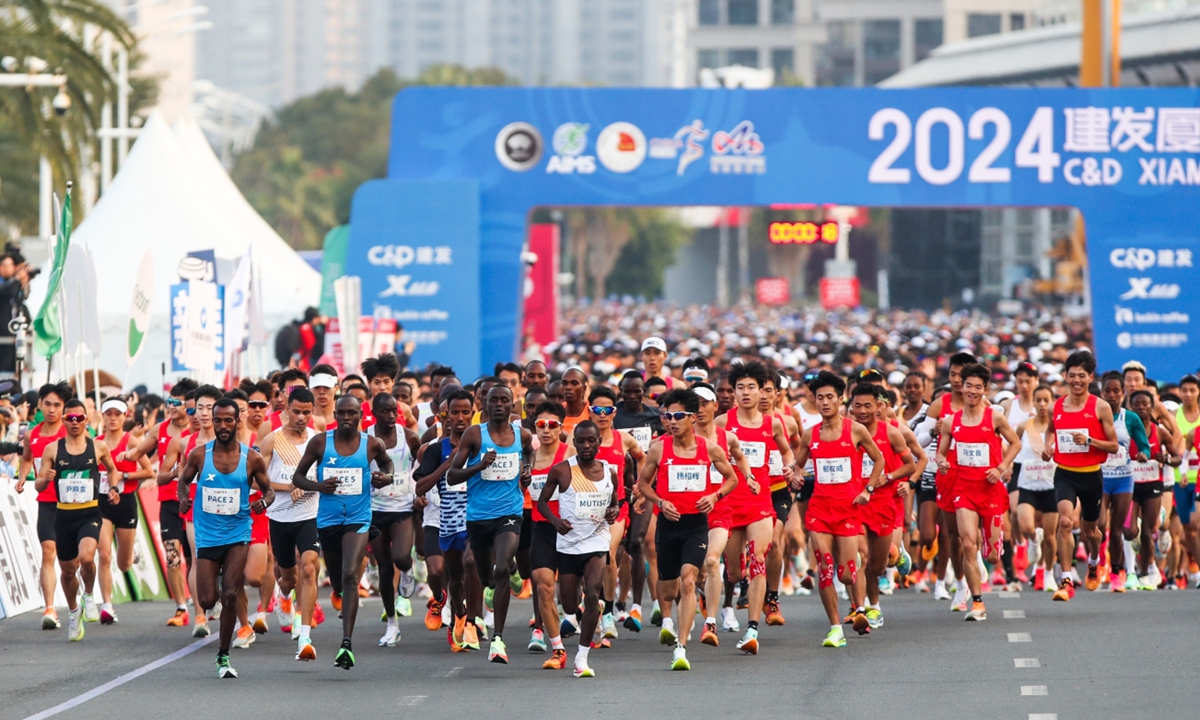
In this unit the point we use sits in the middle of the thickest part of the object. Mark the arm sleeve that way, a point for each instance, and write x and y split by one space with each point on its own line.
1137 432
924 436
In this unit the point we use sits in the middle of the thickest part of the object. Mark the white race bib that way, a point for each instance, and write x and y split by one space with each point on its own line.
1146 472
833 471
715 477
1066 441
507 467
591 505
1038 471
349 480
74 489
1193 461
1119 459
775 463
868 466
686 478
974 455
643 435
104 482
221 501
402 485
755 452
536 483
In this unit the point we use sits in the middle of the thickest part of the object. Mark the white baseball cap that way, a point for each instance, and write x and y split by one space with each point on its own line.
322 380
656 343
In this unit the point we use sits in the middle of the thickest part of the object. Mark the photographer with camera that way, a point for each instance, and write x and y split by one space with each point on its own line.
15 275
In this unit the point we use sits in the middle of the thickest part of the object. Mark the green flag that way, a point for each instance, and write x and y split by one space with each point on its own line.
47 325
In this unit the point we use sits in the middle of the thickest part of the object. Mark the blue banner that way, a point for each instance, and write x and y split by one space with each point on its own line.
1128 159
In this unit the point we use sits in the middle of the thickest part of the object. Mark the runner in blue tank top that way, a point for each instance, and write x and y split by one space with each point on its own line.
343 458
494 461
224 471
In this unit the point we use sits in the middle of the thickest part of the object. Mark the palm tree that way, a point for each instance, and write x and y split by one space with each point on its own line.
63 33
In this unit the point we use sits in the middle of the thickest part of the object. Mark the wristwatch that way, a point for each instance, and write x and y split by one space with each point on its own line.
870 489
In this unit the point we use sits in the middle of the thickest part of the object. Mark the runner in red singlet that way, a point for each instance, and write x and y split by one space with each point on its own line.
774 402
543 552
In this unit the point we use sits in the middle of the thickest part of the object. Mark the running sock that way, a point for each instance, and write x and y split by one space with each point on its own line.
608 607
556 643
393 622
873 606
1093 561
977 598
181 607
772 596
581 655
1007 560
305 630
668 624
620 606
708 620
346 643
752 625
635 607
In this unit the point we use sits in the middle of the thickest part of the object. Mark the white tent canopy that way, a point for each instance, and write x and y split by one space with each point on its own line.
172 197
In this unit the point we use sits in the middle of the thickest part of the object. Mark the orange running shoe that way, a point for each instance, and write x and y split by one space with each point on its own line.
459 632
1064 592
318 614
1093 578
1104 572
433 617
363 592
1118 582
526 590
893 555
336 601
260 625
557 661
929 553
861 626
179 619
709 636
471 636
50 619
774 617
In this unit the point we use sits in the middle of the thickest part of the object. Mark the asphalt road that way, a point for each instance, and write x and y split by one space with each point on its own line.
1099 656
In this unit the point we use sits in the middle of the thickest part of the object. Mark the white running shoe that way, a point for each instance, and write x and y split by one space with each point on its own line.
940 592
609 625
729 621
91 613
403 606
391 637
75 624
408 583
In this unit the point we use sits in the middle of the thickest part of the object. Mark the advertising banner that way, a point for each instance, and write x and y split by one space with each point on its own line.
1128 159
773 291
541 286
839 292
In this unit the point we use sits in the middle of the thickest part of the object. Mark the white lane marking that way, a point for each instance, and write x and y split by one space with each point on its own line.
1026 662
451 672
131 675
1043 716
1014 614
1008 595
412 699
1038 690
1019 637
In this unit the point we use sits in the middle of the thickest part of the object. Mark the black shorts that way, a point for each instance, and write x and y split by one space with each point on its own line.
123 515
71 527
331 537
482 534
806 490
1147 491
169 523
1085 487
543 552
569 564
1012 480
680 543
45 521
217 553
1041 500
290 539
432 549
383 521
782 499
526 530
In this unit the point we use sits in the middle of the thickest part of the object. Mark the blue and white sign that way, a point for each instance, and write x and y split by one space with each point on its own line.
1128 159
197 327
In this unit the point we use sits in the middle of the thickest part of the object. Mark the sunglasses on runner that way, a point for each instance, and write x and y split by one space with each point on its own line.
259 404
547 424
191 411
73 418
602 411
677 415
654 395
173 402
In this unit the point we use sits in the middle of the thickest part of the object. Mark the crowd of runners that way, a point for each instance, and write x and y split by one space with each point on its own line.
688 480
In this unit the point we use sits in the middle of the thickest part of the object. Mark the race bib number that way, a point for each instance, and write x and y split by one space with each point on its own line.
715 477
1119 459
1193 461
349 480
75 488
833 471
537 483
591 505
507 467
1146 472
1066 441
221 501
1040 471
104 488
755 452
288 472
643 435
775 463
401 486
686 478
868 466
974 455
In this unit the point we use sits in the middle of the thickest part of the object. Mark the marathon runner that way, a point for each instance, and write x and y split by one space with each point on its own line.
837 447
683 493
493 460
1187 417
76 480
1036 505
574 390
587 504
121 519
1133 446
225 471
654 358
392 512
1148 490
548 418
642 422
343 458
981 465
1079 438
773 402
292 518
51 399
323 384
